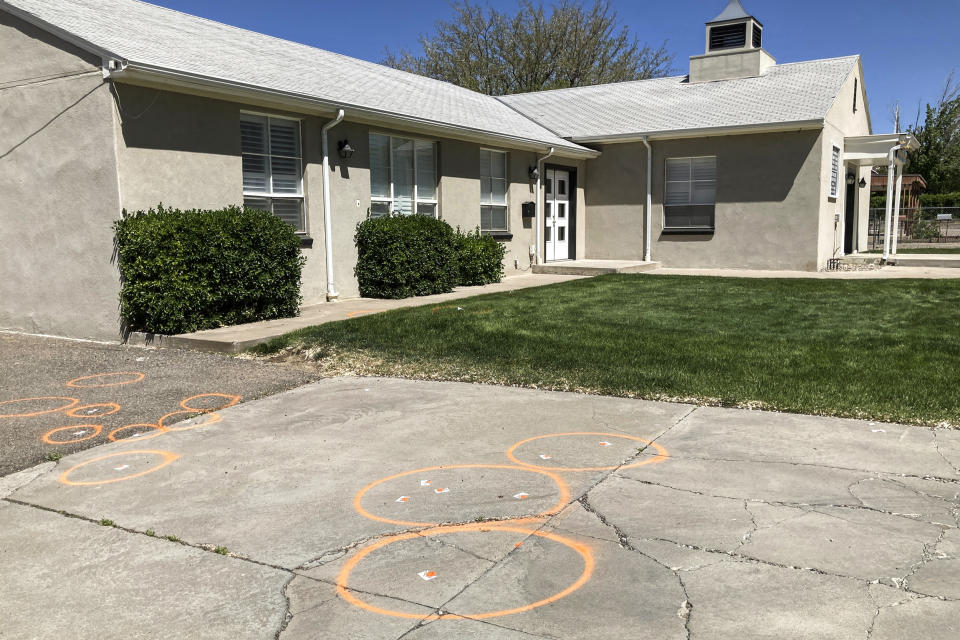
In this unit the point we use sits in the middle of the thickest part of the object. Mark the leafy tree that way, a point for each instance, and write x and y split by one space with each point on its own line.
938 159
534 49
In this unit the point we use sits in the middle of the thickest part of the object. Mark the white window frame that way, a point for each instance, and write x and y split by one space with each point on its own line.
417 200
269 193
506 192
836 155
666 162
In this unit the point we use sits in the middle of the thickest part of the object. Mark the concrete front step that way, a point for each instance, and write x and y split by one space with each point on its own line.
595 267
926 260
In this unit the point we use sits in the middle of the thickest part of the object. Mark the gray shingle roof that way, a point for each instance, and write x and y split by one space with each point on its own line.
148 35
795 92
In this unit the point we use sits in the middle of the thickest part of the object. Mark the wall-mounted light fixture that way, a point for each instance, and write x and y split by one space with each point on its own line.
344 149
851 179
534 173
863 182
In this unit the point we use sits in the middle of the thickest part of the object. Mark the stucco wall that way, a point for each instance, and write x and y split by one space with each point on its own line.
766 204
184 151
842 121
58 181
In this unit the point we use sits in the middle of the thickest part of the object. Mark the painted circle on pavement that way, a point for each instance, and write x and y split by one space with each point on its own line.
94 431
111 379
154 429
165 458
662 453
88 410
562 489
205 419
343 579
71 402
231 400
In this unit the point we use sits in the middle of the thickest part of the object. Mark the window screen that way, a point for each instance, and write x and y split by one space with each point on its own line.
690 192
272 167
403 176
493 190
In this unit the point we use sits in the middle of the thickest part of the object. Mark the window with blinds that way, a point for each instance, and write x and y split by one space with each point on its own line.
690 193
403 176
493 190
835 172
273 167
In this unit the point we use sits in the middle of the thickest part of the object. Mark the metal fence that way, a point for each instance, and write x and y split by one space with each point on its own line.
933 225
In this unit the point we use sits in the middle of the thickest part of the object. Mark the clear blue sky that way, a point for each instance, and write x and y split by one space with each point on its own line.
908 48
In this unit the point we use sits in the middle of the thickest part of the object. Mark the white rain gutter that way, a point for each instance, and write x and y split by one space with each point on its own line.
539 205
327 224
891 169
648 216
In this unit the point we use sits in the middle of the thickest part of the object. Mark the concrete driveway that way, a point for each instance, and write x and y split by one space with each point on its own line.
372 508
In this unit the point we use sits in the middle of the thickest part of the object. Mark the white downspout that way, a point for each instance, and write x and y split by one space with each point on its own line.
539 216
327 224
896 210
891 167
648 216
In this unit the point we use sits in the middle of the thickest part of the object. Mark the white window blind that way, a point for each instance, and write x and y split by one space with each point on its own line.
493 190
273 167
835 172
403 176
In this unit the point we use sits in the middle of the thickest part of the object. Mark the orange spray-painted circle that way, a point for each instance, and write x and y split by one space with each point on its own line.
156 429
99 380
231 400
112 407
208 418
562 489
95 431
71 402
662 453
166 457
343 579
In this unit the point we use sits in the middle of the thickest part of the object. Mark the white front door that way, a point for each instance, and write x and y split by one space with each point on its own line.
556 215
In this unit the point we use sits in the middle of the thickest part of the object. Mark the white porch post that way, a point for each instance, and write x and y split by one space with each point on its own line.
896 209
891 167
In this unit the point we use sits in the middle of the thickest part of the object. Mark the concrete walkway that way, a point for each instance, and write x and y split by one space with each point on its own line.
884 273
316 514
236 338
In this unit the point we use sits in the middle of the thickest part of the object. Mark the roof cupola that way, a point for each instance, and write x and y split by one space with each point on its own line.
734 47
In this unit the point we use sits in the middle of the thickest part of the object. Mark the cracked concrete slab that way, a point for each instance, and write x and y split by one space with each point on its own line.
926 618
700 543
68 578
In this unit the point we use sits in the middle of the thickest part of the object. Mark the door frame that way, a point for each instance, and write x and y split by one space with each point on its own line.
571 211
851 210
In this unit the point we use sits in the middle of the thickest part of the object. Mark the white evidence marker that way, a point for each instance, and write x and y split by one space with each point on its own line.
428 575
121 467
521 495
79 433
402 499
604 443
443 490
426 483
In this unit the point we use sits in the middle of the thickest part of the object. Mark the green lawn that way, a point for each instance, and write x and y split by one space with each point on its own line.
933 250
878 349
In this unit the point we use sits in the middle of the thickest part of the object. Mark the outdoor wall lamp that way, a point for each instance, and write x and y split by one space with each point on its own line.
863 182
534 173
345 150
851 179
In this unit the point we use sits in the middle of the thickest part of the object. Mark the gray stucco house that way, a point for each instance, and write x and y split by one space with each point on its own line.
741 162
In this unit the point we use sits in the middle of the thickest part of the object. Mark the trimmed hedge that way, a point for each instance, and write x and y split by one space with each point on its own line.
403 256
940 199
479 258
184 271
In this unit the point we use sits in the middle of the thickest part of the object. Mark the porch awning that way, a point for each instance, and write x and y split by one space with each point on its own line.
871 151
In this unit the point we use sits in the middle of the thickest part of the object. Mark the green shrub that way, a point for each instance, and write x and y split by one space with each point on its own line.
403 256
940 199
183 271
479 258
925 230
878 202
